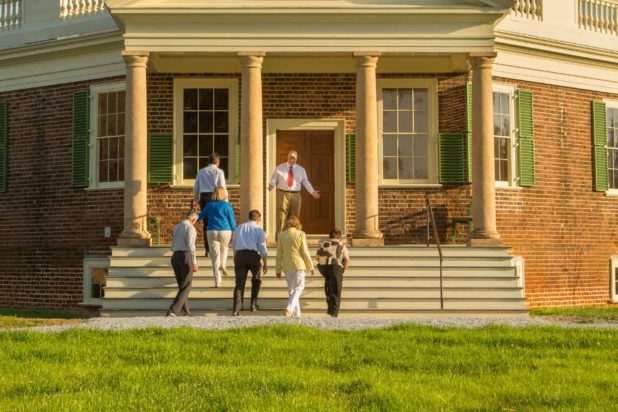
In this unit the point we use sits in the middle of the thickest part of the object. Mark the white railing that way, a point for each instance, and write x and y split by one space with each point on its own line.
74 8
532 9
11 12
599 15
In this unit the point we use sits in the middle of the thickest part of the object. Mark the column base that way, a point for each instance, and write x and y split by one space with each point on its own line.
367 239
141 239
485 243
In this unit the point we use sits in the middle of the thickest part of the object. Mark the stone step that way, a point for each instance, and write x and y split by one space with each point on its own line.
318 292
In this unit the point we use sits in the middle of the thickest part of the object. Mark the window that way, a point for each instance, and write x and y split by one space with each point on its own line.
407 126
95 279
504 142
614 278
206 122
612 145
107 121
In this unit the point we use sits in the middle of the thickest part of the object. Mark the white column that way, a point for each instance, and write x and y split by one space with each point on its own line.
251 134
135 232
484 231
366 231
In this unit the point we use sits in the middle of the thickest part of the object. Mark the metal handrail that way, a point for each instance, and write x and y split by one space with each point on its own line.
430 218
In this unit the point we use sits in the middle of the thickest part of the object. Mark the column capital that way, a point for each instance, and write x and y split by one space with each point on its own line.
482 60
366 61
251 60
135 58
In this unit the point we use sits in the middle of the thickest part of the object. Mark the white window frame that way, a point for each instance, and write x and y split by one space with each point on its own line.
89 264
513 180
612 278
432 141
93 168
179 85
610 104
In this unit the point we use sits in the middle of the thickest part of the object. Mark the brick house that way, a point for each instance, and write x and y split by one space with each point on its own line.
503 110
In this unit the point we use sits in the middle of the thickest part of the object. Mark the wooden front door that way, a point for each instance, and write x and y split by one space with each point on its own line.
316 154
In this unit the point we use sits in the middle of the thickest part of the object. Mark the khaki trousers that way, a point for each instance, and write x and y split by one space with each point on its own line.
288 205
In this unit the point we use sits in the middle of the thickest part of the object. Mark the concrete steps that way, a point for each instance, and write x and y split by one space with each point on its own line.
384 281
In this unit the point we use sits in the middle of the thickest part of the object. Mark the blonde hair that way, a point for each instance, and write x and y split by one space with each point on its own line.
219 194
293 222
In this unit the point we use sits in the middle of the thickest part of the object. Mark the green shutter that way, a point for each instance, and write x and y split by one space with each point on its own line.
237 161
351 158
452 158
525 145
599 141
81 137
160 157
4 137
469 132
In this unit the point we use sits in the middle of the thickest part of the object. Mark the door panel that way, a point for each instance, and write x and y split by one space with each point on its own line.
316 154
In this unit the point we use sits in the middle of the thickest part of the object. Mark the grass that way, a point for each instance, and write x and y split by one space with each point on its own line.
22 318
406 367
605 313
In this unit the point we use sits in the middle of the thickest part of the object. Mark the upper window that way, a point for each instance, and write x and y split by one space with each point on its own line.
407 131
612 145
505 153
206 122
107 121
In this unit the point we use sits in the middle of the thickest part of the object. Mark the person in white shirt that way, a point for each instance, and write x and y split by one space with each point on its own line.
184 262
288 179
206 181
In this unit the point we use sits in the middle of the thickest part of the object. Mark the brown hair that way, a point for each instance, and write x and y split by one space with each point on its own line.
219 194
293 222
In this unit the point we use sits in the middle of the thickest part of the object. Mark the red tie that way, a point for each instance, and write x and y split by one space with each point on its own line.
290 178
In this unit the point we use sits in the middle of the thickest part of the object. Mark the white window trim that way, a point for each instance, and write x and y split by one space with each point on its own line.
612 278
179 85
610 104
93 147
513 181
432 141
89 264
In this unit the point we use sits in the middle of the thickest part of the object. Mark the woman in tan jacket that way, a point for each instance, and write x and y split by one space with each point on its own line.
294 260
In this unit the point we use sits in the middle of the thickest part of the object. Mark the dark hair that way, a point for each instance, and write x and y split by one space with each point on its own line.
213 158
254 215
334 233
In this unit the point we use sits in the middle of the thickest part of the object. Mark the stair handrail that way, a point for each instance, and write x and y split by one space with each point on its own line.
432 220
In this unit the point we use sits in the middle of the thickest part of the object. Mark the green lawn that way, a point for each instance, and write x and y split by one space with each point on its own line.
606 313
22 318
406 367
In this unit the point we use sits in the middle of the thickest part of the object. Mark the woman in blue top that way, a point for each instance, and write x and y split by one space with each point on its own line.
221 225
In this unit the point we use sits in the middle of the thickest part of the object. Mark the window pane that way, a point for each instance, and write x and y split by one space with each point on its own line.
190 99
389 97
120 169
113 148
103 149
503 170
389 122
103 174
189 145
121 101
497 125
610 138
221 145
506 126
102 103
189 168
504 149
405 122
221 122
421 122
504 102
190 122
206 99
113 170
406 170
224 165
112 106
421 171
206 122
421 99
102 126
405 99
389 146
496 101
121 120
111 125
389 167
203 162
221 99
420 145
405 145
205 148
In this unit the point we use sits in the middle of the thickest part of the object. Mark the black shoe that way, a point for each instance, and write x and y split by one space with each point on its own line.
254 307
206 254
235 313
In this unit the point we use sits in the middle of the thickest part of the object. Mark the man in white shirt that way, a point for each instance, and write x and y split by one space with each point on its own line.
206 181
288 179
184 262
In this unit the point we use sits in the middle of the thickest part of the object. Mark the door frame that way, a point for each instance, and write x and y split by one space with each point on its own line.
337 126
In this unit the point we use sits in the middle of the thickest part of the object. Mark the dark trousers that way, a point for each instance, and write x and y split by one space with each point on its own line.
205 198
246 261
333 283
183 270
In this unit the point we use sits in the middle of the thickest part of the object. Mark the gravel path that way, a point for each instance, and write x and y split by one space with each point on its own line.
228 322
